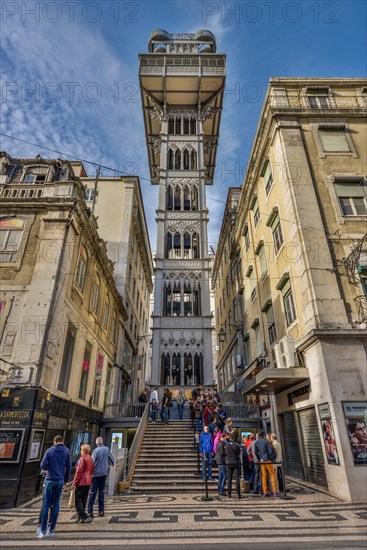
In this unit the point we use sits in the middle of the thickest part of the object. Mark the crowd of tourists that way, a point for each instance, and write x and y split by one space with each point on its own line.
256 458
90 478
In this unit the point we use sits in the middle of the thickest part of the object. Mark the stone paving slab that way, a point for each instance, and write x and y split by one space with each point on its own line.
150 520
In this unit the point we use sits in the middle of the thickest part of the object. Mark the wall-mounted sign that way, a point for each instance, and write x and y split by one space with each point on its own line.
11 441
331 449
355 413
36 445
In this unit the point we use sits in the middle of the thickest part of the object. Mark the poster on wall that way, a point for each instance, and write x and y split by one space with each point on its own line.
331 449
355 413
11 441
36 445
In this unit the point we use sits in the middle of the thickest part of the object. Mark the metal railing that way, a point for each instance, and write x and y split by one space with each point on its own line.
236 411
124 410
134 450
361 303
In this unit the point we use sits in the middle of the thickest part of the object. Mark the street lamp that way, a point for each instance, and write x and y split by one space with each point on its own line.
221 335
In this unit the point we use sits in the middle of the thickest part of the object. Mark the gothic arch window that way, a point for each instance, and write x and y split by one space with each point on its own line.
177 199
165 369
188 369
176 369
198 368
193 160
177 245
178 159
187 198
176 300
186 160
194 198
187 245
171 125
195 246
170 159
169 248
186 125
169 196
178 125
193 125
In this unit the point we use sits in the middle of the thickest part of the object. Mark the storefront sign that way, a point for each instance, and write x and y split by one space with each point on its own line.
15 418
331 449
11 445
302 393
355 413
36 445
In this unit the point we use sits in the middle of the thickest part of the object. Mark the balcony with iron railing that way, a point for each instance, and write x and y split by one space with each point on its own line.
303 102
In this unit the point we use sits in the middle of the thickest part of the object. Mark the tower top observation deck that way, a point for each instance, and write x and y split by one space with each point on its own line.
182 75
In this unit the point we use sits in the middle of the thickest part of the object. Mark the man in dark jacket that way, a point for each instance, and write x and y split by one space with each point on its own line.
220 459
266 457
57 462
206 451
233 460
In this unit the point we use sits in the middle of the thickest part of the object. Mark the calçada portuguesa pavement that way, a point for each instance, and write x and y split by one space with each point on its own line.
308 518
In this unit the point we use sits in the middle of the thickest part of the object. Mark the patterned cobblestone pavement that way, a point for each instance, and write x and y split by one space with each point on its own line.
307 516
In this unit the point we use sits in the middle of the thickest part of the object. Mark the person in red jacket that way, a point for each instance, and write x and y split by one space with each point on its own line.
82 483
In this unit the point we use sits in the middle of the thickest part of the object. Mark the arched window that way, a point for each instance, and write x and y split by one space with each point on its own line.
167 304
81 268
178 125
188 309
170 159
176 369
186 160
176 300
187 245
192 125
193 160
188 369
186 125
195 246
187 198
177 245
194 198
171 125
11 230
198 368
177 198
169 245
178 159
165 369
169 195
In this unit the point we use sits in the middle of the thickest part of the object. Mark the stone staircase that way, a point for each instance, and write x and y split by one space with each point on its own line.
167 462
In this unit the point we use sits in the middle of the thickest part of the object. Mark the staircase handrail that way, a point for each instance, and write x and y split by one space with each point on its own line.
136 445
245 410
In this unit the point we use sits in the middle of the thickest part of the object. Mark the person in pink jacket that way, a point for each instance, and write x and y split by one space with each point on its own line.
82 482
217 436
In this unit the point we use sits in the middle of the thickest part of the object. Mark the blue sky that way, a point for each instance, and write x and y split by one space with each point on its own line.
70 81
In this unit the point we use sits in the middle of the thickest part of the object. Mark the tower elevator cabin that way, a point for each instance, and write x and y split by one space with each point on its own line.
182 84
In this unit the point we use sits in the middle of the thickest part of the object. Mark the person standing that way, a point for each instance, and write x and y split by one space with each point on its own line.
266 456
57 462
153 411
180 404
82 482
206 451
164 406
233 461
154 395
103 459
220 459
198 414
279 459
143 400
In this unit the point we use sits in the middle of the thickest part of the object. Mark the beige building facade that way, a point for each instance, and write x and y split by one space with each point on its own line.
300 242
62 331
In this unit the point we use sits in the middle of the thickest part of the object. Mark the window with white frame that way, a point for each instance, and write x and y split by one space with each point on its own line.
262 260
251 274
289 307
276 230
258 341
81 268
36 174
89 194
267 174
11 230
94 299
318 98
352 197
256 214
270 322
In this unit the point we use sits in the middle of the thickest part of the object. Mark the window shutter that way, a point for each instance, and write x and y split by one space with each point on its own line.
334 140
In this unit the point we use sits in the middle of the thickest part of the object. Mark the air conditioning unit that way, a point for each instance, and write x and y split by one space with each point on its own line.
285 353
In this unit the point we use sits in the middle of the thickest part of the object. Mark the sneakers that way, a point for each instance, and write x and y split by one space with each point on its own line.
41 535
50 533
101 514
277 494
39 530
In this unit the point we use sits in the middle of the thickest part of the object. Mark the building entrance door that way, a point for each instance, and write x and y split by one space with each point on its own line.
314 459
291 449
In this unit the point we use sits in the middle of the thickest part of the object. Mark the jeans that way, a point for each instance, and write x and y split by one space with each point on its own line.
207 458
98 484
222 478
52 495
164 415
199 424
256 485
180 411
153 416
81 497
234 471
